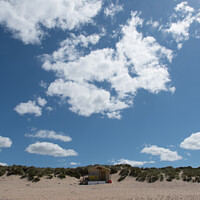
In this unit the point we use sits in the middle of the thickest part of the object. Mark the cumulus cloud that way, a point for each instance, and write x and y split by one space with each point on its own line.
68 51
50 134
5 142
181 22
25 19
132 163
42 102
43 84
3 164
165 154
74 163
29 107
183 7
50 149
112 9
85 99
192 142
106 80
49 108
154 24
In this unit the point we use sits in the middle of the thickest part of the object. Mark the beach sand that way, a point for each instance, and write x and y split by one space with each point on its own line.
14 188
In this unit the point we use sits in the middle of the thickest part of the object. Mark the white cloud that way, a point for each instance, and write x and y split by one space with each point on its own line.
106 80
154 24
172 90
49 134
68 51
74 163
165 154
49 108
112 9
85 99
50 149
3 164
180 45
42 102
132 163
181 22
145 58
114 115
192 142
188 154
183 7
43 84
25 19
28 108
5 142
180 29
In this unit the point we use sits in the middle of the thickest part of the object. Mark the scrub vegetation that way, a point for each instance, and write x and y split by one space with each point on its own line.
149 175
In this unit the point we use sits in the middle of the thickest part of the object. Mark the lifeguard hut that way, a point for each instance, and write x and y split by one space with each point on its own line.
99 174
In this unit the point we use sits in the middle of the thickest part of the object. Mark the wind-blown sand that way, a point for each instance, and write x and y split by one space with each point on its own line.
14 188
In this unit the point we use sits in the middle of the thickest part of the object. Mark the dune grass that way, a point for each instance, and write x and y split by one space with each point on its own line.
149 175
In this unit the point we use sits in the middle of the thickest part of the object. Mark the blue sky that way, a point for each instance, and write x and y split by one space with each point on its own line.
102 82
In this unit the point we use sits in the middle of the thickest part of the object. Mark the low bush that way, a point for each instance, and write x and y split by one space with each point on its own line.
135 171
150 175
141 177
15 170
161 177
121 178
124 172
113 169
61 176
83 171
36 179
2 170
49 177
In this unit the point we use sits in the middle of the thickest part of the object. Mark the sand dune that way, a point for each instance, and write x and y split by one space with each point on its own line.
14 188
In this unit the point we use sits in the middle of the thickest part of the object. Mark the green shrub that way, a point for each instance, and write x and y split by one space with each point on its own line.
23 176
170 173
36 179
32 171
113 169
141 176
49 177
124 172
15 170
83 171
150 175
61 176
161 177
121 178
135 171
168 179
30 178
191 174
71 172
2 171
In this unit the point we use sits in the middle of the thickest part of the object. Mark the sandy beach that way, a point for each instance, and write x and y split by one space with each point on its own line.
14 188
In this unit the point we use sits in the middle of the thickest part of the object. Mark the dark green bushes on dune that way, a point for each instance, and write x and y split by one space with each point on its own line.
123 173
83 171
34 174
191 174
149 175
2 170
